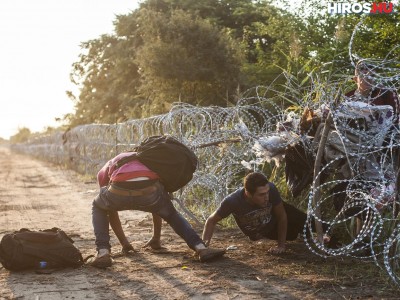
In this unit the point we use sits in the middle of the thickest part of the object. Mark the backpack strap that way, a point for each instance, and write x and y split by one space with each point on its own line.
125 160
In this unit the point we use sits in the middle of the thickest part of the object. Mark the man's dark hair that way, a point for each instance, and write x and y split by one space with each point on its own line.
254 180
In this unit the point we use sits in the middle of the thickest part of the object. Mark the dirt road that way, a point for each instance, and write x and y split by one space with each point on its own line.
37 195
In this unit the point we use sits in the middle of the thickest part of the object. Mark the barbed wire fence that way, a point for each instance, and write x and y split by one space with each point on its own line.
224 139
212 132
361 154
369 140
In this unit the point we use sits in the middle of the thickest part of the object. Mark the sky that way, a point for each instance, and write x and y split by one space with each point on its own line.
40 40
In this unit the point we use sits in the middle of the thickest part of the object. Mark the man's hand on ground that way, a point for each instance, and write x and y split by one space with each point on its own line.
127 249
154 244
277 249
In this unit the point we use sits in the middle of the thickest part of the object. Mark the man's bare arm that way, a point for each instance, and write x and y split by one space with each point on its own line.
155 241
209 227
280 213
116 226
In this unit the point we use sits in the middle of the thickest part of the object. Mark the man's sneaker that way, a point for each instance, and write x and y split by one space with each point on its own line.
102 262
210 254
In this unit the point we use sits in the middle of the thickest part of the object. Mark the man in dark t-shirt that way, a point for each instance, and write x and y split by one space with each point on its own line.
259 212
372 93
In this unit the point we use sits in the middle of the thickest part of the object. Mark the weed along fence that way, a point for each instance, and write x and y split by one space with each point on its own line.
328 159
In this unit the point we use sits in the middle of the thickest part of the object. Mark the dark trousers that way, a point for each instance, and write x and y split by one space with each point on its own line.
296 220
158 202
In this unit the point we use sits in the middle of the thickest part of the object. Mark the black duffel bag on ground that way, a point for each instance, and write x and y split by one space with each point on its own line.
50 248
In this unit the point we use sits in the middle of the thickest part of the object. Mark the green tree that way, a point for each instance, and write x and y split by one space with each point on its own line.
185 57
107 78
153 59
204 52
326 38
21 136
264 32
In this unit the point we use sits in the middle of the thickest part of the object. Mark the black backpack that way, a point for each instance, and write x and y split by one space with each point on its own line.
174 162
25 249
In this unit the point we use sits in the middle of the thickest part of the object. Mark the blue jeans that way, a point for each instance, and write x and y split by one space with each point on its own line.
158 202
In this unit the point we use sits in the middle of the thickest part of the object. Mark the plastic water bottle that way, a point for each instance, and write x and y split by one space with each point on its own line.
43 268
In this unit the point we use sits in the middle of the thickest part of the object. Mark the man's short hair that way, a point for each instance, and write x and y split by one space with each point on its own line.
254 180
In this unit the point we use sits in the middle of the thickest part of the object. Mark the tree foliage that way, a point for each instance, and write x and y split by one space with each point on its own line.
185 57
21 136
206 52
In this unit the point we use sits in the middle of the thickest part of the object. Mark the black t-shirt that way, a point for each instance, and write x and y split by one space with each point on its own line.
253 220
